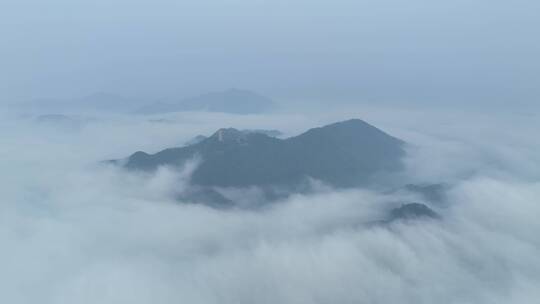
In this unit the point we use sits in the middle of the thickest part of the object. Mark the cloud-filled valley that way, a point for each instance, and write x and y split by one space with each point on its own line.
269 151
77 231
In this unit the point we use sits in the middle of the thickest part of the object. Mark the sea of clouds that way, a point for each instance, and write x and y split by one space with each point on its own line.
76 231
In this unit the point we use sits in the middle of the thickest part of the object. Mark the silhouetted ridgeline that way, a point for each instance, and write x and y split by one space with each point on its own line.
343 154
233 101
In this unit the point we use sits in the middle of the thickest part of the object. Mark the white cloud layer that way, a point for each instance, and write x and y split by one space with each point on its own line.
76 232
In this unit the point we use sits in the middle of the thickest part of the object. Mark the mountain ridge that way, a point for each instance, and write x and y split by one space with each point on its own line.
343 154
234 101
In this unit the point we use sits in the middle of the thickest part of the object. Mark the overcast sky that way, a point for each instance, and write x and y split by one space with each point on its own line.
424 51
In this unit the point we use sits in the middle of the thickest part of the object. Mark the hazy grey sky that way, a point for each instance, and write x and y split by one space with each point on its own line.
368 50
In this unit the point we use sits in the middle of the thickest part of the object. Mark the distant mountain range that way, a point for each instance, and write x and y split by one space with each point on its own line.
344 154
230 101
62 122
97 102
233 101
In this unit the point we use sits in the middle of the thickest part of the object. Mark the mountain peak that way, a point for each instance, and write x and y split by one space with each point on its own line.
233 100
348 132
413 211
228 135
351 124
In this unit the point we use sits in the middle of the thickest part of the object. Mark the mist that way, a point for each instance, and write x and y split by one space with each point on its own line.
75 230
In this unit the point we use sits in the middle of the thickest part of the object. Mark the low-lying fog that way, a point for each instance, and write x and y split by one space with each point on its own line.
76 231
